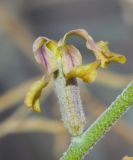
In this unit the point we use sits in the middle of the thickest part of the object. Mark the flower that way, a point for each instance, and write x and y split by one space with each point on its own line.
52 55
63 62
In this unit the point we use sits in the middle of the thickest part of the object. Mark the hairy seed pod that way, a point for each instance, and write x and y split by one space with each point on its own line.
70 104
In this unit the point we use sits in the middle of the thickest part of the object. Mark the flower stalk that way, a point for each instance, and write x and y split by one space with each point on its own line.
80 145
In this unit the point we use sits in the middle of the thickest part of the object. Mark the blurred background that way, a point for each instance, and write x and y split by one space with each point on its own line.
25 135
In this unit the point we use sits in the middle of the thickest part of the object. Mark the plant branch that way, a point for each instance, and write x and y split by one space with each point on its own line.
80 145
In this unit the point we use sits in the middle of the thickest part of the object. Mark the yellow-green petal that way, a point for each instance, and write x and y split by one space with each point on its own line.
106 56
34 93
87 73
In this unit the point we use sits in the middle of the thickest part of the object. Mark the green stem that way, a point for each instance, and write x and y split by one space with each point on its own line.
80 145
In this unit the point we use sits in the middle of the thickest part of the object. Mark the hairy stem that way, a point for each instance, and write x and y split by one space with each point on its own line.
80 145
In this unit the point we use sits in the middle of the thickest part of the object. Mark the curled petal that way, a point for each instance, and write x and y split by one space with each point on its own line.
100 49
45 54
106 56
87 73
33 95
39 42
90 43
70 57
